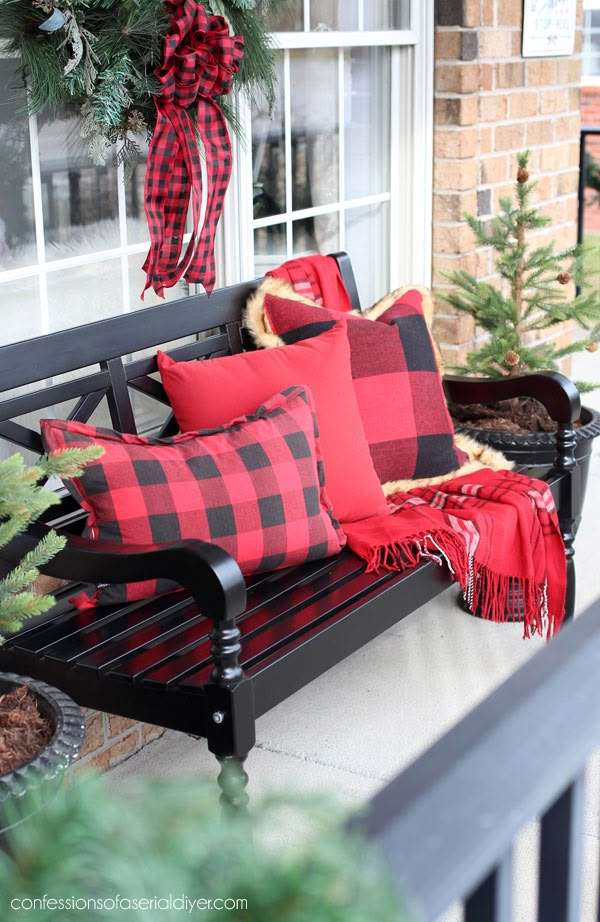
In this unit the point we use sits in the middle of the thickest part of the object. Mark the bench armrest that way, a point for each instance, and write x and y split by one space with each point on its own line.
556 392
207 571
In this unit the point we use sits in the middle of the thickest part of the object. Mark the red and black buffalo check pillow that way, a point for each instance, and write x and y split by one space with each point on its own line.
398 387
254 487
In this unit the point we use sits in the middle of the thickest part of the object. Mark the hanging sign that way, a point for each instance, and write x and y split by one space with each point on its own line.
548 27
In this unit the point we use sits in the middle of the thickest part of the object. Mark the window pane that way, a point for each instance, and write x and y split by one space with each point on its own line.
84 293
290 18
269 248
79 198
370 262
316 235
341 15
268 152
21 317
591 43
17 230
137 226
367 121
315 129
386 14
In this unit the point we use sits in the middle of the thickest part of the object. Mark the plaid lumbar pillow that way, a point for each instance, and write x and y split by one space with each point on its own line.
255 487
396 380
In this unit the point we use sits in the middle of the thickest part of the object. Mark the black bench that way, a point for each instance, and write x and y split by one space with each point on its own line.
209 661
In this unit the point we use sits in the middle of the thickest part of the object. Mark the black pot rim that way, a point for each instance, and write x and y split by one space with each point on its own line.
590 429
61 749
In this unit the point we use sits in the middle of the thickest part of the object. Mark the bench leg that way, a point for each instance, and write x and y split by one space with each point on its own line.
231 718
233 781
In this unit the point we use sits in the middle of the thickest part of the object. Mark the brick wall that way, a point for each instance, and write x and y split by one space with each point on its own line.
490 103
110 740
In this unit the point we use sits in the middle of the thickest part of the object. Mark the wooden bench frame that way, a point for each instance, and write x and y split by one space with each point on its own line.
209 674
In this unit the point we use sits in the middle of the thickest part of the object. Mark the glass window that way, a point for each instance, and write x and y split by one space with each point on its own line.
330 141
268 153
314 128
17 225
80 200
21 310
341 16
591 43
290 18
367 124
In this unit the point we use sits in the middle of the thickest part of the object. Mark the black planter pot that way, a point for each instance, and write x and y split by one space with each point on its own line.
42 774
537 450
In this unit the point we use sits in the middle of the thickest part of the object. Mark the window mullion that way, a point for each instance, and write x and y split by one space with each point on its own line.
361 15
341 148
307 15
287 93
122 206
38 213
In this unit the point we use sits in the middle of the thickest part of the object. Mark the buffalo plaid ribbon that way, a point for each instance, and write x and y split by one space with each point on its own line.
200 58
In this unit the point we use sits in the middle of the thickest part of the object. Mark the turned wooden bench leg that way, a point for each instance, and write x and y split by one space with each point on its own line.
230 715
233 781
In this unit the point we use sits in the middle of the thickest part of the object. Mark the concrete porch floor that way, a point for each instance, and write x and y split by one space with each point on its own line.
357 726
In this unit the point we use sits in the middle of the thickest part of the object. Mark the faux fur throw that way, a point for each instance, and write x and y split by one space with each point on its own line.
496 531
480 456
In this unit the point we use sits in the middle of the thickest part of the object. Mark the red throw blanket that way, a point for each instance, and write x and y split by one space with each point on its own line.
318 278
496 530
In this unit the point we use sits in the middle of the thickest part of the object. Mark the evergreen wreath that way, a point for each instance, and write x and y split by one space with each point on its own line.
96 58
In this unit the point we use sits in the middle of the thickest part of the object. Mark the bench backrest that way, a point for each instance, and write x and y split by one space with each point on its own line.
104 364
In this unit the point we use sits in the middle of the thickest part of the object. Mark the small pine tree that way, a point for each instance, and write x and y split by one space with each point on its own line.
533 296
23 499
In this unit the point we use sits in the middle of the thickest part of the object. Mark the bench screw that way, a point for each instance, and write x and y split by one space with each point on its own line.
218 717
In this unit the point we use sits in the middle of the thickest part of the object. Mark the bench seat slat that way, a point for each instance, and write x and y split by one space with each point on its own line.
265 642
265 619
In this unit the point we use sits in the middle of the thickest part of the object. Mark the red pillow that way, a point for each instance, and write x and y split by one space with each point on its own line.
254 487
398 387
207 394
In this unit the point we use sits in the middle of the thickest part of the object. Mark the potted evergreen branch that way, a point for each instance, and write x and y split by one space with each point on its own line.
179 851
519 316
41 729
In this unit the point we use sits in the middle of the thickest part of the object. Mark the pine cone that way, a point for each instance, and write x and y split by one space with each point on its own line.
522 175
564 278
511 358
592 347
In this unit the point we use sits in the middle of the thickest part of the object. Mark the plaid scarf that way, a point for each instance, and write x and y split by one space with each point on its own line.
498 533
199 61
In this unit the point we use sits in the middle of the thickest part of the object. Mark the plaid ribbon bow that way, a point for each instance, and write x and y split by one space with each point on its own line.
200 58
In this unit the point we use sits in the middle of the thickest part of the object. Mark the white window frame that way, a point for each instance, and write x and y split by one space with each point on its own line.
411 140
590 79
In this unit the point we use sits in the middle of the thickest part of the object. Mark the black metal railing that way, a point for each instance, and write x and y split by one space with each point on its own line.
448 823
583 168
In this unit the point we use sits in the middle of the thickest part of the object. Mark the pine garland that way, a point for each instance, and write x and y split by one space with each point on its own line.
23 499
99 63
534 294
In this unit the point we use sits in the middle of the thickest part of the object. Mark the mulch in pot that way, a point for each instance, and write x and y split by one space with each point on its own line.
521 415
23 730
